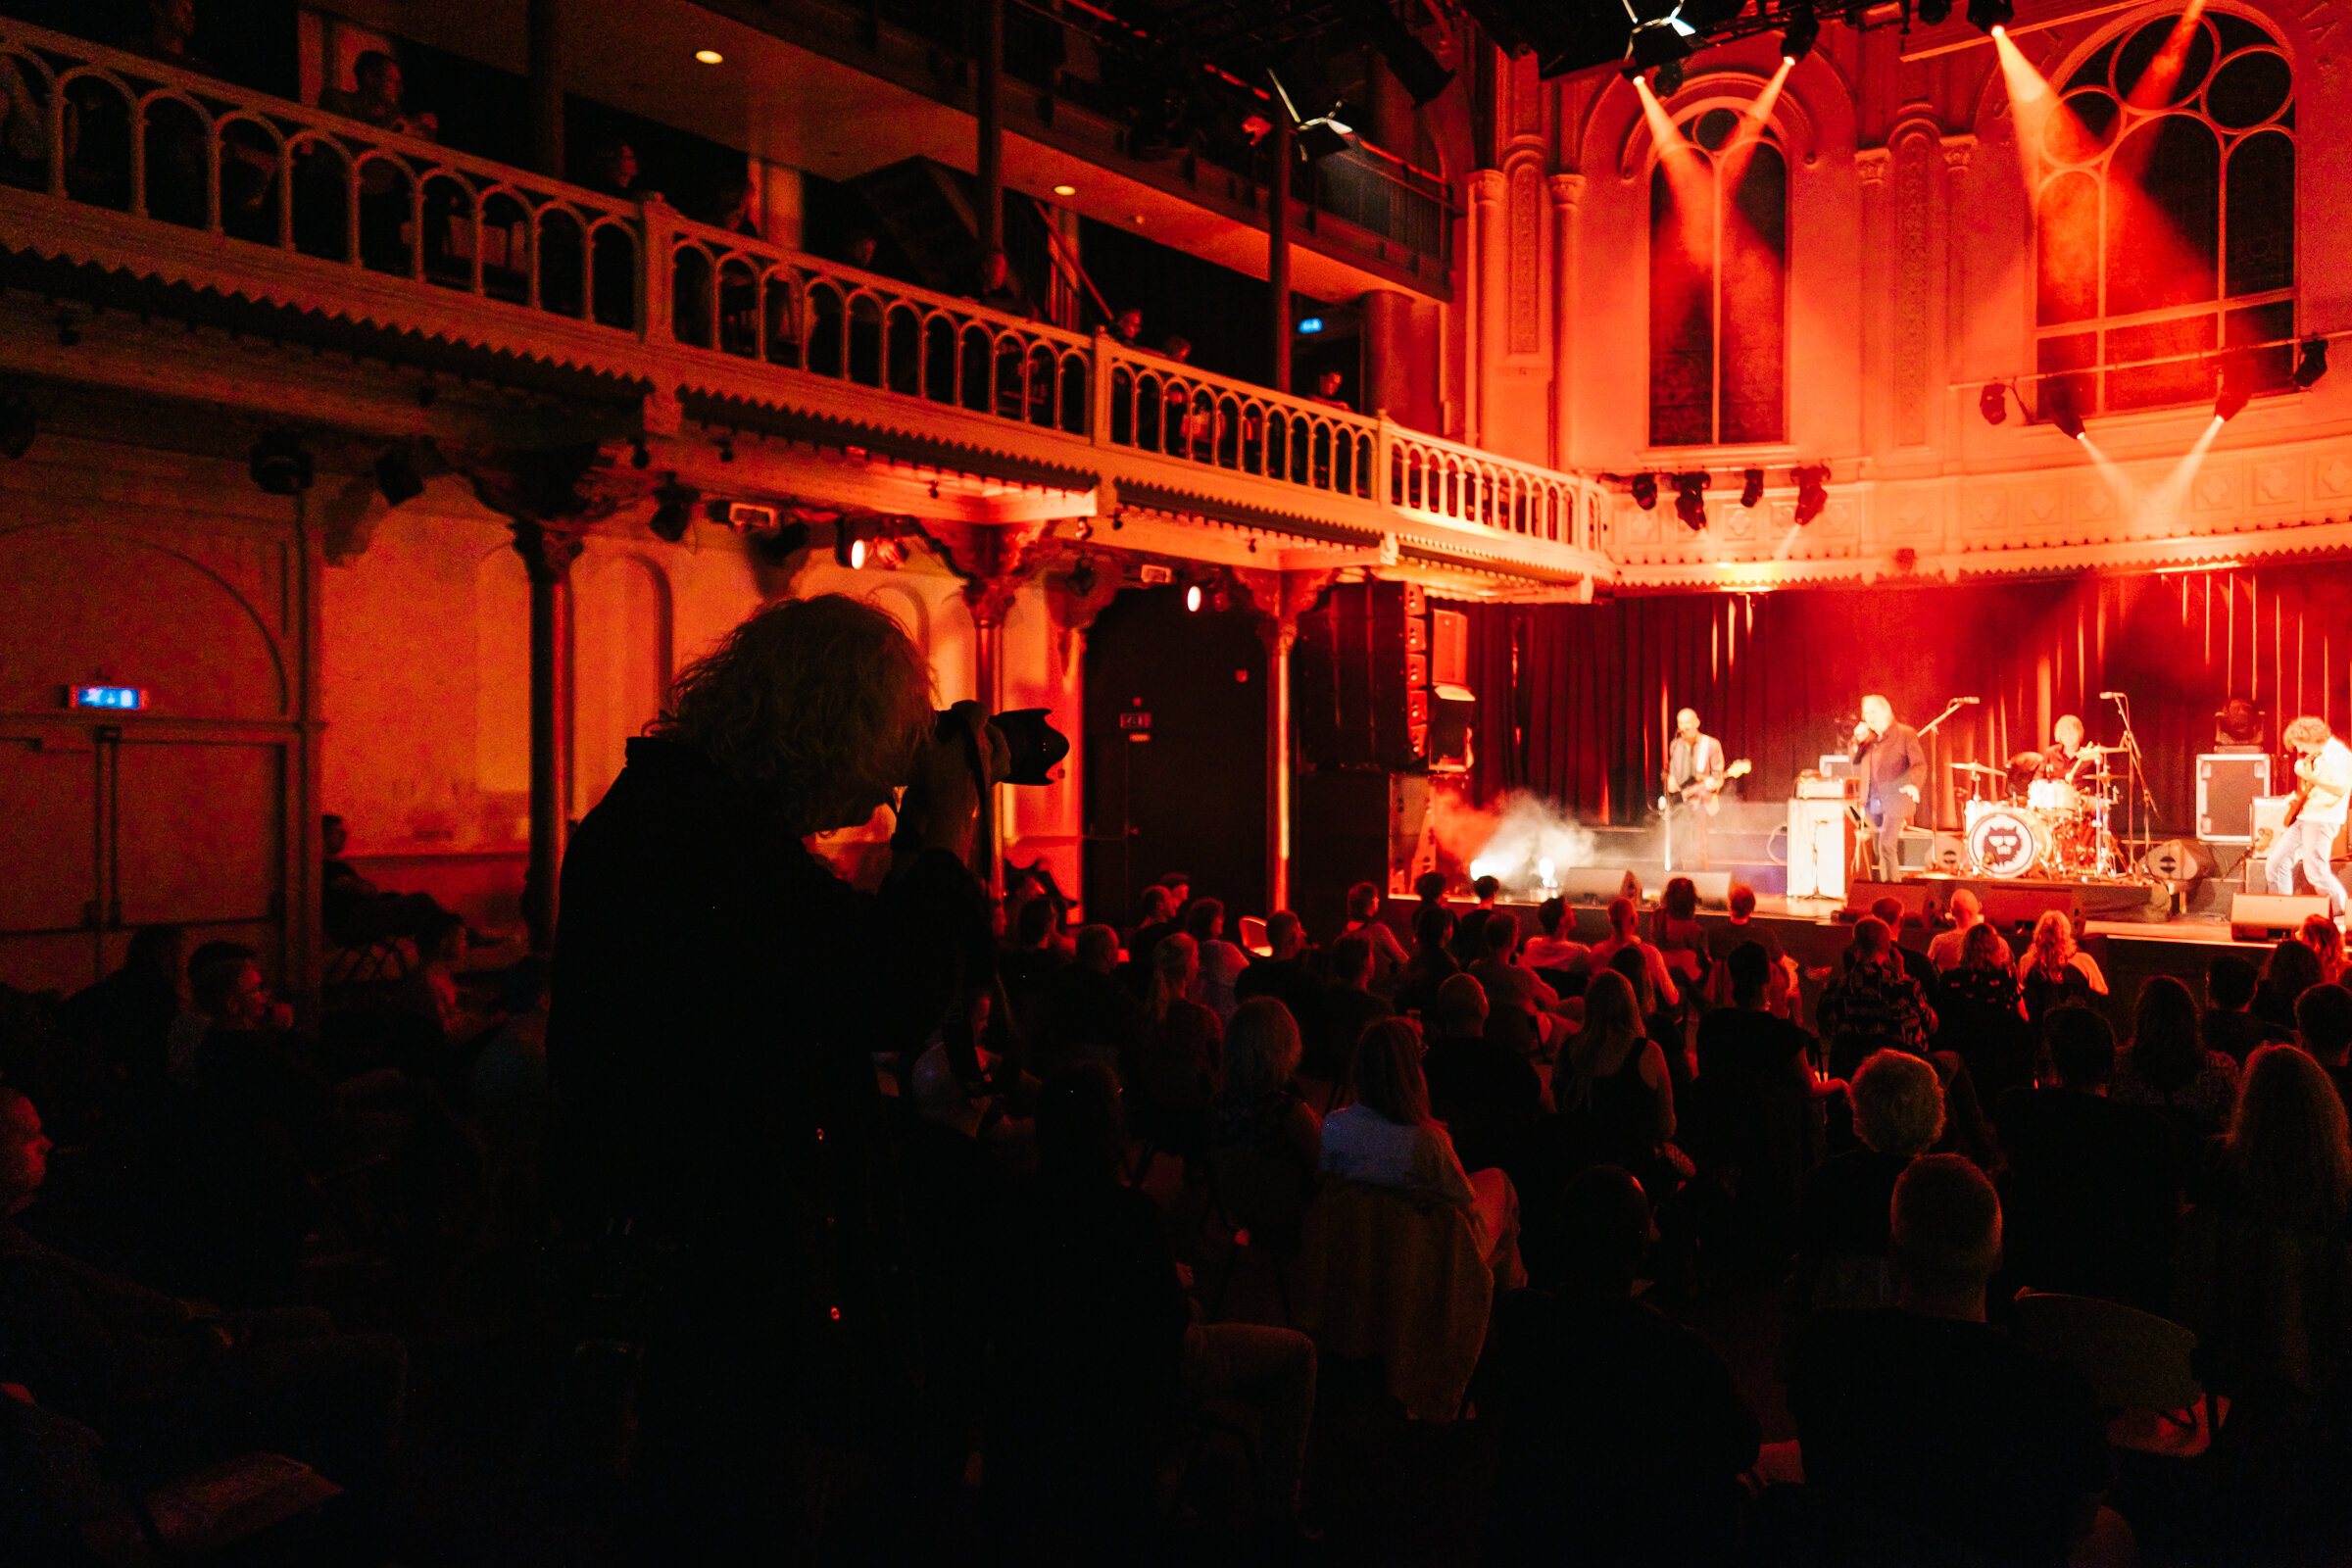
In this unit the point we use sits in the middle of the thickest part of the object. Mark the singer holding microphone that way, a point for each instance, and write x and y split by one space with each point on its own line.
1892 763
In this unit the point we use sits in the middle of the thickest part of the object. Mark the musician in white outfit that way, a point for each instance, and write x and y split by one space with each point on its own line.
2323 796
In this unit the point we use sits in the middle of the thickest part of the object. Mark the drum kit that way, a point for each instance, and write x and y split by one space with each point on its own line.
2020 825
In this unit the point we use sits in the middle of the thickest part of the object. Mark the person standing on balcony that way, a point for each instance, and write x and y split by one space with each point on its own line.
1127 329
1327 390
1000 290
375 99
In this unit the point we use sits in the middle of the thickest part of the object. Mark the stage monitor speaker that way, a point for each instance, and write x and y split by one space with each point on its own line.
1714 887
1587 885
1925 900
1948 853
2178 860
2228 785
2268 917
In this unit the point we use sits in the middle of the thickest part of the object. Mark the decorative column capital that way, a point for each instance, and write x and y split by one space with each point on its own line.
1957 150
1488 186
1567 189
1873 163
993 559
1279 598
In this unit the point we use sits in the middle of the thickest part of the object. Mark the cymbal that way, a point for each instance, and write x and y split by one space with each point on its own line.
1977 767
2099 778
2097 751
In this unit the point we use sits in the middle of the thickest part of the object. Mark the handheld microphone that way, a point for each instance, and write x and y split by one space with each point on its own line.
2109 697
1972 701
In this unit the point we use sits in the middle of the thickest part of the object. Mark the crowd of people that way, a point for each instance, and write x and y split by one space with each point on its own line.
928 1219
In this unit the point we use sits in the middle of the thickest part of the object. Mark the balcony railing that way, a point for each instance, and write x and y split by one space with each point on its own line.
123 132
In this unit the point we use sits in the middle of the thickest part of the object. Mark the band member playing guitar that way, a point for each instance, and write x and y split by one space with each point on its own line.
2323 796
1696 774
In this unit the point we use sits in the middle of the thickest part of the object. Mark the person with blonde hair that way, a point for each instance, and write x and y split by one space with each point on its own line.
2323 796
1387 1136
718 997
2053 970
1618 1079
2326 938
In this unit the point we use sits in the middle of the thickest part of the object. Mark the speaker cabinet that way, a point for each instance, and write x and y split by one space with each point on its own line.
2268 917
1585 885
1351 677
2227 784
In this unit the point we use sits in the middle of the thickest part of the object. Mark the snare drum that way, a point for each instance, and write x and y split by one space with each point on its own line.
2053 795
2008 841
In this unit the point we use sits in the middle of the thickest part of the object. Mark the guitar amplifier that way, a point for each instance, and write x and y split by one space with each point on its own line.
2228 785
1811 786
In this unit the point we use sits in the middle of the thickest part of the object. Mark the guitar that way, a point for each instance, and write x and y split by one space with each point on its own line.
2294 808
1700 792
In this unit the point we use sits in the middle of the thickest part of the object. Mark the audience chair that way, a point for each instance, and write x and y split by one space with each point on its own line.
1264 1206
1392 1276
2138 1363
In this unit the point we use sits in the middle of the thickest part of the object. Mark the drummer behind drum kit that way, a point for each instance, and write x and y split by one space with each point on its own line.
2051 830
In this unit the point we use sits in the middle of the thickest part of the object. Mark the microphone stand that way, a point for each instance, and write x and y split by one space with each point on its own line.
2145 798
1935 763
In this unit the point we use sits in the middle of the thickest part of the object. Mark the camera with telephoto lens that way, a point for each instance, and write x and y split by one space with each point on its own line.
1033 745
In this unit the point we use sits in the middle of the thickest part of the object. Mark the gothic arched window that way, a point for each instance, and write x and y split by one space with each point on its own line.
2166 215
1718 285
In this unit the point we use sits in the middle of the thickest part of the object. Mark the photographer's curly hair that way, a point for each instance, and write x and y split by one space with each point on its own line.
812 707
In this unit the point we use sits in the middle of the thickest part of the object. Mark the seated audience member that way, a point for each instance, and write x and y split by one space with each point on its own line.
1623 912
2266 1271
1177 1058
1469 928
1617 1084
1386 1136
2230 1024
1679 935
1521 1006
2094 1186
1260 1110
1431 963
2325 940
2324 1014
2167 1068
1662 1024
1028 962
1389 957
1844 1206
225 990
1944 951
1981 1015
1620 1432
2293 969
1284 975
1740 925
431 991
1923 1428
168 1386
1915 963
1220 963
126 1017
2052 972
1874 1004
1751 1100
1348 1009
1095 1346
355 911
1481 1087
1159 907
1087 1014
1560 960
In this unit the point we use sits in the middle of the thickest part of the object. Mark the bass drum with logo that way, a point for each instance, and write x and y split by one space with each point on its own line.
2008 842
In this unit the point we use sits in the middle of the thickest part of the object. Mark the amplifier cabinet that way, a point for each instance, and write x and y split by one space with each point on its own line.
2228 785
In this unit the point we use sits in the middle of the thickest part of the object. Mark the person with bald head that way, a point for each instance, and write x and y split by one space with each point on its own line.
1894 763
1944 951
1694 773
1613 1421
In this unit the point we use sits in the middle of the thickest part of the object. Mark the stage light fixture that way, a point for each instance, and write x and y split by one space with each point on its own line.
1993 403
1934 13
1065 190
1192 599
1812 493
1802 33
2230 401
1661 39
281 464
1645 489
673 509
1751 488
1990 15
2314 363
848 545
1669 79
396 478
2063 414
888 554
1690 499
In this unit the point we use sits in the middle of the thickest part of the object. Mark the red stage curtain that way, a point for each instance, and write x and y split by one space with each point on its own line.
1576 702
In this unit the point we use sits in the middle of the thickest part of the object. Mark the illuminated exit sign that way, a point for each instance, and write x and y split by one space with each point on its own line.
115 698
